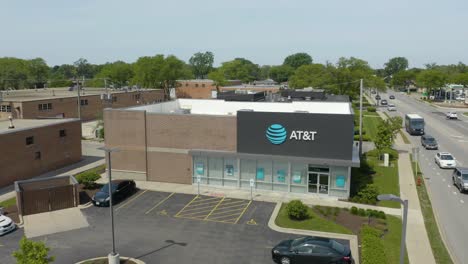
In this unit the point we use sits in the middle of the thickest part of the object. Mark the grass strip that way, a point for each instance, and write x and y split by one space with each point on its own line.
8 203
439 249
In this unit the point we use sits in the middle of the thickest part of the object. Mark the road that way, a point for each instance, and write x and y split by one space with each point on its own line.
450 206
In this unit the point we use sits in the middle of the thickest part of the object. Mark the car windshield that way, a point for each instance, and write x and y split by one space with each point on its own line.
446 157
391 105
296 242
105 188
430 140
417 123
337 246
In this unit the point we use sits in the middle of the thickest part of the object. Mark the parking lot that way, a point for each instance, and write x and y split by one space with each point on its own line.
159 227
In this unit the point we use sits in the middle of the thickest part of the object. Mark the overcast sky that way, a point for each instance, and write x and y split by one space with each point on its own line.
263 31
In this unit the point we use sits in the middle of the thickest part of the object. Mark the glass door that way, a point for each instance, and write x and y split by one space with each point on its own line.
323 183
313 182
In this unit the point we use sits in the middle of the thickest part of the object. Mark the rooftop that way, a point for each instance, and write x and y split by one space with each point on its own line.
221 107
51 93
25 124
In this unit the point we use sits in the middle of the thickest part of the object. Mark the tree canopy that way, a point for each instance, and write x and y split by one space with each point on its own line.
297 60
281 73
240 69
312 75
395 65
202 64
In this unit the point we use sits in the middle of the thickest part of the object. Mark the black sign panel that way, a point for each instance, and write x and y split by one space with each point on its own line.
327 136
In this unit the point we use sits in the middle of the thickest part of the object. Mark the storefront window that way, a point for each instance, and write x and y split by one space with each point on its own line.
215 172
280 172
231 172
200 169
248 171
263 175
298 177
339 177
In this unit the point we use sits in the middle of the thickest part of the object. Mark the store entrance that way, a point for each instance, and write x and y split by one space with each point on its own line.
318 180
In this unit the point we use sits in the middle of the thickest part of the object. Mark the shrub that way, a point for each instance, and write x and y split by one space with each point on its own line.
328 211
364 137
361 212
372 248
336 211
354 210
88 179
297 210
371 109
381 215
31 251
368 195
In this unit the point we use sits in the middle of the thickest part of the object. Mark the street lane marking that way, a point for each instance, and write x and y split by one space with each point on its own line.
131 200
158 204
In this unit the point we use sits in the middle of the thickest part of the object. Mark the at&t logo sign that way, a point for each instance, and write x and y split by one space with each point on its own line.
277 134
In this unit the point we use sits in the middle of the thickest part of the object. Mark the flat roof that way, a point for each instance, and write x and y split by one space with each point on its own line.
251 86
54 93
25 124
221 107
414 116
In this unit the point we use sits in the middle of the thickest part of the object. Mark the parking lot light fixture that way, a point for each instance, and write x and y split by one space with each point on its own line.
113 256
392 197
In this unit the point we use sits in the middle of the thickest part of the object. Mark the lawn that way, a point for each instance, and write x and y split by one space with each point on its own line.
8 203
465 113
392 240
370 122
386 179
437 244
315 222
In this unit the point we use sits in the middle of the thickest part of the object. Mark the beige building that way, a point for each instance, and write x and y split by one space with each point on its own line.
62 103
199 88
34 147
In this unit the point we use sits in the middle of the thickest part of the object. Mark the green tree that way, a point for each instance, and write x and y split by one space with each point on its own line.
375 83
346 75
83 68
281 73
264 72
202 64
218 78
460 78
148 71
384 137
14 73
431 79
240 69
119 73
173 69
297 60
395 123
32 252
38 72
312 75
395 65
403 78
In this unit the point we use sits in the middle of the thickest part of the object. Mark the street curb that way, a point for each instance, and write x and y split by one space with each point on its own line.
353 240
84 206
122 258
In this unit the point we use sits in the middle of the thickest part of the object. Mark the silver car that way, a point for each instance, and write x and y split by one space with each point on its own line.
460 178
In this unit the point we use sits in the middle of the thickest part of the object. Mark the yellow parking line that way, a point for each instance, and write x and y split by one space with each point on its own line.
190 208
243 212
225 221
238 204
225 216
187 205
232 210
201 205
131 200
207 199
197 212
158 204
220 202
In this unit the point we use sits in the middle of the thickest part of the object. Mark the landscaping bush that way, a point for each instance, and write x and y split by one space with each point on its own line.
381 215
336 211
362 212
320 209
368 195
371 109
364 137
372 248
297 210
354 210
88 179
328 211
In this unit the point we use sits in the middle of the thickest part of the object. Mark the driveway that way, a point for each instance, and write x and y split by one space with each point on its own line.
159 227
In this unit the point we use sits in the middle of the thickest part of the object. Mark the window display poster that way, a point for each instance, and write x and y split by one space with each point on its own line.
281 175
296 177
340 181
229 170
200 168
260 174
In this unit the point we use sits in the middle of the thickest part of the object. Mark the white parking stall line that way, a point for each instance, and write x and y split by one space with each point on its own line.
461 201
454 193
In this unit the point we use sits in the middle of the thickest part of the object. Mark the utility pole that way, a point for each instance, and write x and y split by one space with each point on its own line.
360 119
105 85
79 99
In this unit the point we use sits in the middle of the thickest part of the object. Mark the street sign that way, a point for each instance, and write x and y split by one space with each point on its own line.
252 183
198 178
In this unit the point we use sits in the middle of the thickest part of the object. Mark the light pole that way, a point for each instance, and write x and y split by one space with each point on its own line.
392 197
113 257
360 119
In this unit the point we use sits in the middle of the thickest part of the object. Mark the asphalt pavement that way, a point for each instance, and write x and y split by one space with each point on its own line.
450 206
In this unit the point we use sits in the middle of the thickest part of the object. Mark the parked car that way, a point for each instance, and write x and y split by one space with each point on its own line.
392 97
445 160
120 190
377 97
460 178
460 97
311 250
391 107
6 225
373 92
383 102
452 115
429 142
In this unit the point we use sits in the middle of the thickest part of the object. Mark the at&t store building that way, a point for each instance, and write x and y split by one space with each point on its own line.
299 146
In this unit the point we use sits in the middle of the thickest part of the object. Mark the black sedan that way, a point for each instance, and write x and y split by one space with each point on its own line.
377 97
384 102
391 97
311 250
120 190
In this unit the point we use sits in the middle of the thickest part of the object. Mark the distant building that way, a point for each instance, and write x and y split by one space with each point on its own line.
199 88
34 147
63 103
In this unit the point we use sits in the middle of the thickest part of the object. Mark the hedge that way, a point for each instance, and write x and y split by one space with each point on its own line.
297 210
372 248
364 137
371 109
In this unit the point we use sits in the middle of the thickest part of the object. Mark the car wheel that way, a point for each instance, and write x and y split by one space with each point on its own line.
285 260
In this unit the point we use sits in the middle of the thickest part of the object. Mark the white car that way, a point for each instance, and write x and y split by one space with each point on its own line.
6 224
445 160
391 107
452 115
